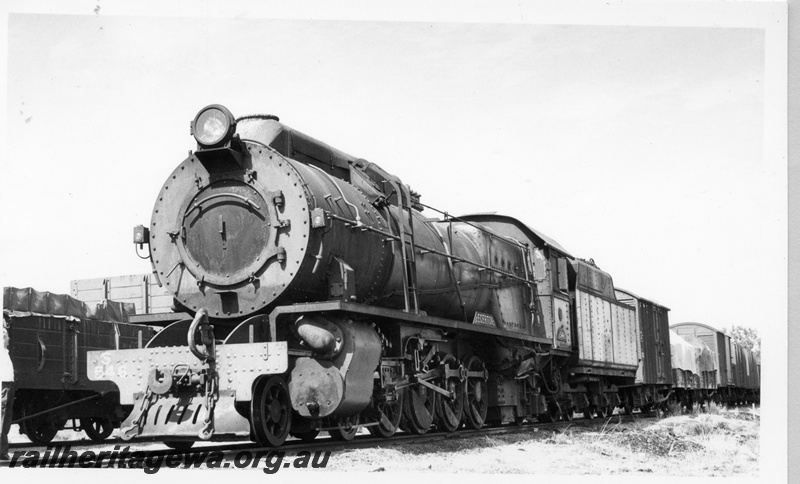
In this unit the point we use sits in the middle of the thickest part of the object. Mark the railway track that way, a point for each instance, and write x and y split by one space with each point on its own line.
229 449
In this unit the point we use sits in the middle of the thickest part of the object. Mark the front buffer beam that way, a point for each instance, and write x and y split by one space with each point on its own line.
176 395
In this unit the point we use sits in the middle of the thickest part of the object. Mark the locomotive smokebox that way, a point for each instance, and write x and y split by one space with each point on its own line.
237 237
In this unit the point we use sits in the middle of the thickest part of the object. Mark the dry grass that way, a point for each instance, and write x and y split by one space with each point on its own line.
718 443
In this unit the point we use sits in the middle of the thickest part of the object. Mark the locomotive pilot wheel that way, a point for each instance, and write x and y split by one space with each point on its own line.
345 428
305 435
271 411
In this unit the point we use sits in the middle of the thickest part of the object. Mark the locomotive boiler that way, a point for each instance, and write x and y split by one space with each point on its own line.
324 300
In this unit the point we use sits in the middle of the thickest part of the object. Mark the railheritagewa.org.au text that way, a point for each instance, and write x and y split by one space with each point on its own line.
121 457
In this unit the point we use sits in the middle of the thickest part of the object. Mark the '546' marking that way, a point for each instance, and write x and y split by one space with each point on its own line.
105 370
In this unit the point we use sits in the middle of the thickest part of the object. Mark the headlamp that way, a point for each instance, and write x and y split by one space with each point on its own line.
213 126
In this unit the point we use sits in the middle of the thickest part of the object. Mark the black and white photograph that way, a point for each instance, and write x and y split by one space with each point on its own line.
429 240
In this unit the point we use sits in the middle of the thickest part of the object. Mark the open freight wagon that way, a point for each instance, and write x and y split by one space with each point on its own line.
49 335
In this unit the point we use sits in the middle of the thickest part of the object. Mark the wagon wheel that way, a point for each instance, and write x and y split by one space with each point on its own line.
449 410
346 428
41 431
270 412
97 428
179 445
475 402
419 408
390 414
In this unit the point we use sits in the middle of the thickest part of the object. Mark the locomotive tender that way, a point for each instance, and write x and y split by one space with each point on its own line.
324 300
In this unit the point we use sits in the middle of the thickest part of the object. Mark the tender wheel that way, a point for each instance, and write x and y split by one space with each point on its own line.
601 411
391 412
346 429
449 410
179 445
588 412
568 414
419 409
475 403
271 411
553 413
97 429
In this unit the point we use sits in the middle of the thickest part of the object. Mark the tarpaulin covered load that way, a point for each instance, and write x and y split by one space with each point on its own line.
706 360
705 357
683 353
30 302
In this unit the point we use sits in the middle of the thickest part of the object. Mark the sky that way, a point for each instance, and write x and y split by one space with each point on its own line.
640 147
652 142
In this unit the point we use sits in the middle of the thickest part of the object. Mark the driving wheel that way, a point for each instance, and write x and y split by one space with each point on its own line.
475 401
419 408
449 409
390 413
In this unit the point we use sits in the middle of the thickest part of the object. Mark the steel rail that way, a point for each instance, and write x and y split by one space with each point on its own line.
233 446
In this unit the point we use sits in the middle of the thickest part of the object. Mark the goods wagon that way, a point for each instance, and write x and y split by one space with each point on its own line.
737 373
653 376
152 303
49 335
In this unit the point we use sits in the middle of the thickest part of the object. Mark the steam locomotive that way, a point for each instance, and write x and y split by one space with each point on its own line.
322 299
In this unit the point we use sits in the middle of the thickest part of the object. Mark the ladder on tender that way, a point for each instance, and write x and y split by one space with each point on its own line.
407 251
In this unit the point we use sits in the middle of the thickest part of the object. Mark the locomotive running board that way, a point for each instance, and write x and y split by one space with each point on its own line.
396 314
